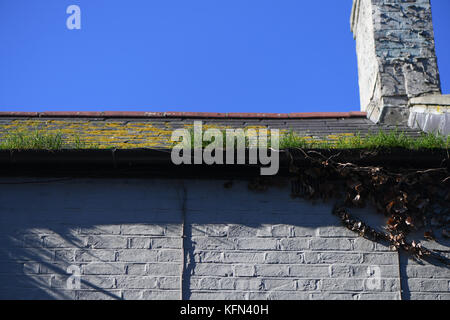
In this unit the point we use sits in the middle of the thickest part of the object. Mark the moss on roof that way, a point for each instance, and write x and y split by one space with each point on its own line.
155 133
58 139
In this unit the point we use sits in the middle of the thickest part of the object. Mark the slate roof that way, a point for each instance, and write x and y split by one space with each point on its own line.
128 130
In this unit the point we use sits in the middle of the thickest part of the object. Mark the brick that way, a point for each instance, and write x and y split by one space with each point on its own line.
160 295
208 283
57 241
279 295
381 247
334 296
388 285
361 244
298 231
104 268
243 257
28 267
386 271
139 243
137 255
380 296
220 295
264 231
330 244
306 285
241 231
209 269
311 257
132 294
308 271
170 256
249 284
173 230
209 230
30 281
256 244
381 258
98 295
342 285
335 231
282 257
143 229
244 271
279 284
67 255
429 285
101 230
139 282
33 241
340 257
424 271
209 256
341 271
137 269
166 243
444 296
107 242
295 244
214 244
227 284
86 282
169 283
424 296
88 255
55 267
163 269
271 270
282 231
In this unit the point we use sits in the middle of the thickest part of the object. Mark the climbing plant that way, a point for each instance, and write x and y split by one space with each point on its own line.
411 200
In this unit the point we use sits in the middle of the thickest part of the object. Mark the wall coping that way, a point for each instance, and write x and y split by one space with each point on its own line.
431 100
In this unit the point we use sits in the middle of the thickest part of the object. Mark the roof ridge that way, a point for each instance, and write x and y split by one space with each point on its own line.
182 114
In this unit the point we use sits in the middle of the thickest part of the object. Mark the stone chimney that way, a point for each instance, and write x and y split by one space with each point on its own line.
396 56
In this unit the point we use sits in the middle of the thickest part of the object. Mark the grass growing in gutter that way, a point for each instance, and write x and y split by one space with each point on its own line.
39 140
380 140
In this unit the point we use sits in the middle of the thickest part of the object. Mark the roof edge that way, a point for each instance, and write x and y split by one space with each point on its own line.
141 162
170 114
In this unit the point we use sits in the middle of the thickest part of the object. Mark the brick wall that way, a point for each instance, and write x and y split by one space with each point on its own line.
125 237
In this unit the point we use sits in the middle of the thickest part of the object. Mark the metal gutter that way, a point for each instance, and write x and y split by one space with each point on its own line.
157 162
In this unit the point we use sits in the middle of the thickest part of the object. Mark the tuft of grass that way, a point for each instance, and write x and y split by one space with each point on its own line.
380 140
41 140
206 143
31 140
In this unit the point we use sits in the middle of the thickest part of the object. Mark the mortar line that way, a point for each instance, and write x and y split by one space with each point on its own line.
400 274
183 240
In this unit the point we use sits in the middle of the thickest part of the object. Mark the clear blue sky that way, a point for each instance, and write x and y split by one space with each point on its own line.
186 55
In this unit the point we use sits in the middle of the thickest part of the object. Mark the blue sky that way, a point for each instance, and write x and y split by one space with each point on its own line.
179 55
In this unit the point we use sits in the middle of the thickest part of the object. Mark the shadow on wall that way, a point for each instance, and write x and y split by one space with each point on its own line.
122 239
83 225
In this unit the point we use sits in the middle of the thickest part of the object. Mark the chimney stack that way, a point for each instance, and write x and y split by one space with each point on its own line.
396 56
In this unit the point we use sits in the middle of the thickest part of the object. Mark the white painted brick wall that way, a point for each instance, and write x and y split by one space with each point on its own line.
126 238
